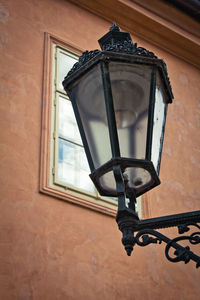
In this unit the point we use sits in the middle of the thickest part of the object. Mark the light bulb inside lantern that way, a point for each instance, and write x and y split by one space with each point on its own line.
124 118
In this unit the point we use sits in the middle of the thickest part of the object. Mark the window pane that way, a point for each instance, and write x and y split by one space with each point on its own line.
65 63
73 168
67 126
159 119
132 84
158 124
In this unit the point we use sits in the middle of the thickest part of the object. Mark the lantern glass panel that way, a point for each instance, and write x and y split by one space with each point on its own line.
138 177
159 119
89 95
130 89
131 84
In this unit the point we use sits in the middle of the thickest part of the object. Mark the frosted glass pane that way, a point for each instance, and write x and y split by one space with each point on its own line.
73 168
130 89
138 177
67 126
89 95
65 63
158 128
102 142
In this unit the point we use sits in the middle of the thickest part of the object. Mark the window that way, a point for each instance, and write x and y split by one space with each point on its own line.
64 167
70 164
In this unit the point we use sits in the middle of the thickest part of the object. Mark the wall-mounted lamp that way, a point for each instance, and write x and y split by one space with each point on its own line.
120 97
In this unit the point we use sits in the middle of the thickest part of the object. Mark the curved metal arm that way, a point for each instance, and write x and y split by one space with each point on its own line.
144 238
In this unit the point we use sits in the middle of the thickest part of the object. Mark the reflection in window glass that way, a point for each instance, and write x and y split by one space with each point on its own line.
72 166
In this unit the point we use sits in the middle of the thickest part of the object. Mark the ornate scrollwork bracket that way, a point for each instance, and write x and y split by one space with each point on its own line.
146 234
144 238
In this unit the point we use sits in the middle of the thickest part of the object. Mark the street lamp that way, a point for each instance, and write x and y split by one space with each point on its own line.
120 97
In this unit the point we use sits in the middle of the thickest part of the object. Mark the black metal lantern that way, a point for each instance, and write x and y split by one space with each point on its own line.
120 97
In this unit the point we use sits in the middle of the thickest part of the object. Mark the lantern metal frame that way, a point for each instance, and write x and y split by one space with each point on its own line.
118 47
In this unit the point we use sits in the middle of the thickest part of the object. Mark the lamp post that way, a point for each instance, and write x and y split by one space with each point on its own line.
120 97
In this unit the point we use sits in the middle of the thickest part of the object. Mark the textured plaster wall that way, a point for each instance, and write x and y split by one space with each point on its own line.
50 249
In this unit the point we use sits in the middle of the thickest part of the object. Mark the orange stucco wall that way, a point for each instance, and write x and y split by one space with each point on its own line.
51 249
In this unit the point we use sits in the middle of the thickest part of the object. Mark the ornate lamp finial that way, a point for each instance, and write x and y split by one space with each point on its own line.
117 41
115 27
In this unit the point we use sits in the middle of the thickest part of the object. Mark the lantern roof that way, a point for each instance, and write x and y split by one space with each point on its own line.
116 44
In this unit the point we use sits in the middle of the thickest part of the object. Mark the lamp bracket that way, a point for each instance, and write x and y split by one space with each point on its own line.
146 234
181 253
